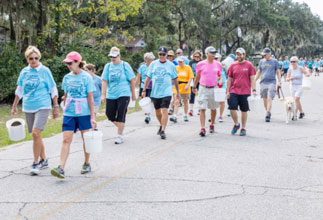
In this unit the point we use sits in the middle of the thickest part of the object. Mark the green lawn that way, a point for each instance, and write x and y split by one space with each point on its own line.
53 126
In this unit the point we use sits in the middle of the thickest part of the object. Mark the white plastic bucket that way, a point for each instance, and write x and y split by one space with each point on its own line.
132 104
16 129
93 141
146 105
192 83
307 84
62 105
254 98
219 94
227 62
253 101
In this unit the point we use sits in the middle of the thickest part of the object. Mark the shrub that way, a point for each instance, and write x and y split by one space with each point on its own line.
11 63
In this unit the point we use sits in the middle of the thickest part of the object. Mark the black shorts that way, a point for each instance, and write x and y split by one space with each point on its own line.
148 91
161 102
240 101
116 109
285 71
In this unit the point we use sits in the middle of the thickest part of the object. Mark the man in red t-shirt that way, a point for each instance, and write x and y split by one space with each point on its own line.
241 79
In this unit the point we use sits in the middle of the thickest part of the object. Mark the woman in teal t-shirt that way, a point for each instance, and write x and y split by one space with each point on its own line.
118 85
79 111
37 88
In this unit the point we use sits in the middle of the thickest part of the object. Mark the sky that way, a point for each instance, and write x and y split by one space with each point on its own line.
315 5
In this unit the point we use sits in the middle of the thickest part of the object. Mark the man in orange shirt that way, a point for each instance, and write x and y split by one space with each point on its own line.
185 76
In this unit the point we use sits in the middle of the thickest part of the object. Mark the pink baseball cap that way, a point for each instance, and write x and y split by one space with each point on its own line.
73 56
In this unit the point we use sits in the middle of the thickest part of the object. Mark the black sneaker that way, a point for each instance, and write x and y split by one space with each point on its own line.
147 120
43 164
159 130
267 119
58 172
301 115
235 129
162 135
173 119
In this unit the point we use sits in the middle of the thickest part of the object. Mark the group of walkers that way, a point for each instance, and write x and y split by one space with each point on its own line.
314 65
171 81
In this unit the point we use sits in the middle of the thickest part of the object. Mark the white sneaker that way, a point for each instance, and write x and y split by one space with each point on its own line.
220 119
118 140
35 169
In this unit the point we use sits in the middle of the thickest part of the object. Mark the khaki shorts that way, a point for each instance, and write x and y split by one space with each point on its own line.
37 119
205 99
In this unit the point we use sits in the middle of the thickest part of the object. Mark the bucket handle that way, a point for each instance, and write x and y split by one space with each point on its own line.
22 121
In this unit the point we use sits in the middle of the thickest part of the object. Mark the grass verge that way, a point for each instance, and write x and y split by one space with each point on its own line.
53 126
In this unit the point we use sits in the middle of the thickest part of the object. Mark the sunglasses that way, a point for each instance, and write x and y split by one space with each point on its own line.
170 55
196 56
293 61
178 53
69 63
162 54
33 58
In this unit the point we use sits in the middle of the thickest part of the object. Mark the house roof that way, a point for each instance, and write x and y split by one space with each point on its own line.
134 42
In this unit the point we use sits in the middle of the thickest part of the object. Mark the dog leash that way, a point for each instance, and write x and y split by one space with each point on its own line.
280 90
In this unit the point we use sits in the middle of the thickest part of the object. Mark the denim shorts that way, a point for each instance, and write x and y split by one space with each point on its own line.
81 123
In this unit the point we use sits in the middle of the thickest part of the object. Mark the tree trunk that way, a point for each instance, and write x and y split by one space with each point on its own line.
42 19
12 28
266 37
103 18
57 26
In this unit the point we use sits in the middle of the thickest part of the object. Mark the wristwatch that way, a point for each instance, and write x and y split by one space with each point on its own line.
254 90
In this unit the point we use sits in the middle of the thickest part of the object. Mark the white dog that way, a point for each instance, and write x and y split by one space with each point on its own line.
290 109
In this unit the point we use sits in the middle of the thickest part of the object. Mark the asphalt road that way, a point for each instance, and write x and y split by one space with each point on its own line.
275 172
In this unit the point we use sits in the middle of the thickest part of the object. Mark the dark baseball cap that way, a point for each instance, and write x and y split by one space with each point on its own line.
163 50
266 51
